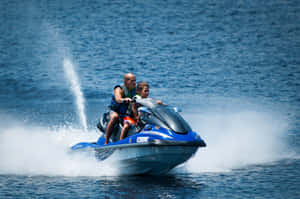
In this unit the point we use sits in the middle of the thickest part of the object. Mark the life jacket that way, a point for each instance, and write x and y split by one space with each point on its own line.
124 107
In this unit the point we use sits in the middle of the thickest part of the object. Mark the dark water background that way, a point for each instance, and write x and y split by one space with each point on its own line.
232 66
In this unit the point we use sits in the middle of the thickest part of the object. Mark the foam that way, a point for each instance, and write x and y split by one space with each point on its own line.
238 139
28 150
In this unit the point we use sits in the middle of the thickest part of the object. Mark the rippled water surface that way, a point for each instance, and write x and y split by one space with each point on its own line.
233 67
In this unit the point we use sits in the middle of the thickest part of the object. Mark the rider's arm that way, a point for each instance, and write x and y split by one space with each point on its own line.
118 93
134 111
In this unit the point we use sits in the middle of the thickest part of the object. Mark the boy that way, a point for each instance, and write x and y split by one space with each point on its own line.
142 91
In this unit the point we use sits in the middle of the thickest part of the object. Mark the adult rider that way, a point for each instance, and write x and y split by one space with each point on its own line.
120 102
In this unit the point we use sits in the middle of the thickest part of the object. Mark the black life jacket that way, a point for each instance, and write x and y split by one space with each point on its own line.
124 107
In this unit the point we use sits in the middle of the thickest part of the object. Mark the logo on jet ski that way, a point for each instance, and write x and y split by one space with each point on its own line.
142 139
157 133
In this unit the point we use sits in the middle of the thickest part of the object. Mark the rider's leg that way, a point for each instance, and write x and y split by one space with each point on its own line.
114 117
125 130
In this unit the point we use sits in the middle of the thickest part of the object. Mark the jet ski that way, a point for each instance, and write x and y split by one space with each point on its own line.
162 141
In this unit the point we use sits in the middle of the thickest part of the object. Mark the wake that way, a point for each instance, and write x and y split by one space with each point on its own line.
236 140
27 150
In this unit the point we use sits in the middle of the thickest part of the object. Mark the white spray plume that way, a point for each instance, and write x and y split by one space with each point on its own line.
26 150
236 140
75 88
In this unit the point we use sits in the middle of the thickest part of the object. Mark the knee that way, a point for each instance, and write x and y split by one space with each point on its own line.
114 117
126 125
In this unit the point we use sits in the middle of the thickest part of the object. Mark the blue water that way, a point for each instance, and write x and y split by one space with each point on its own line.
233 67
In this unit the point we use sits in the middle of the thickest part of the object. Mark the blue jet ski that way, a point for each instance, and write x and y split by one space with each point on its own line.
163 141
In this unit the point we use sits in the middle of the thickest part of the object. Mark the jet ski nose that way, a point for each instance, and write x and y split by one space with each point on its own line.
202 143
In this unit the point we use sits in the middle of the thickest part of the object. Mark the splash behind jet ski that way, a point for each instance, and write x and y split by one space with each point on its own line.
162 141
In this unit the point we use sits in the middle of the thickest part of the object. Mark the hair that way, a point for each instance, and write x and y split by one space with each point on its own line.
141 85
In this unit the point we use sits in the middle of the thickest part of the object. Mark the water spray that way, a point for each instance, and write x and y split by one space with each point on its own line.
75 88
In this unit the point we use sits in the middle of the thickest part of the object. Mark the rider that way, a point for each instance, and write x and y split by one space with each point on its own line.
120 102
142 91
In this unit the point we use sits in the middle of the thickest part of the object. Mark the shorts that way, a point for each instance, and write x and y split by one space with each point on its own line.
128 120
